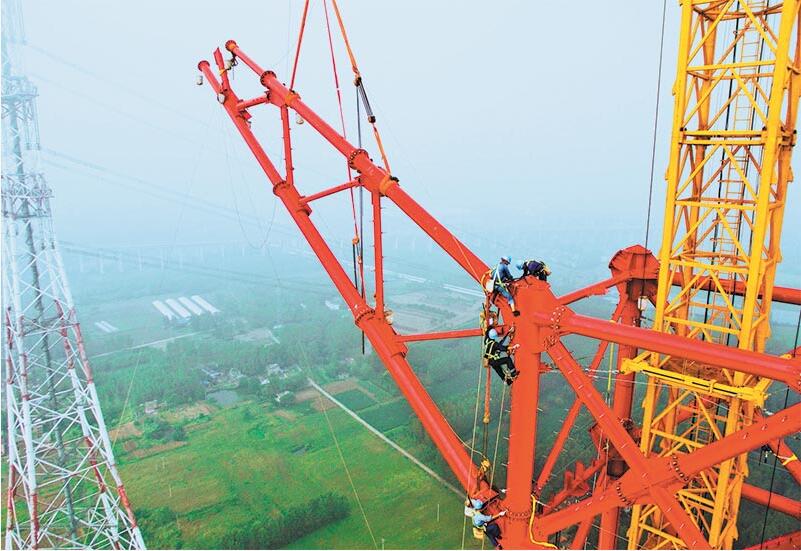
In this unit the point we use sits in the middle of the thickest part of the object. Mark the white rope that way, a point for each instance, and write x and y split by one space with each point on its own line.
347 471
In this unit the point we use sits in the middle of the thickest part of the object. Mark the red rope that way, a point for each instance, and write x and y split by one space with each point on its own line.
300 41
344 132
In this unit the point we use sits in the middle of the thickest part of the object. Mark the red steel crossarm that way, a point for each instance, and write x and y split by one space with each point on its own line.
373 177
673 472
456 334
754 363
248 103
628 449
330 191
599 288
377 330
775 501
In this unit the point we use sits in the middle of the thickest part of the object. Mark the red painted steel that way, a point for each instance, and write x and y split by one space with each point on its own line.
787 541
457 334
775 501
544 320
754 363
377 330
785 295
331 191
595 289
670 472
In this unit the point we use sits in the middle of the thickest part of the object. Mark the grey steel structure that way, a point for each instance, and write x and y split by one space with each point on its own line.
63 488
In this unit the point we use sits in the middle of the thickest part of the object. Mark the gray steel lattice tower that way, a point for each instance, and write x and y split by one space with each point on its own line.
63 487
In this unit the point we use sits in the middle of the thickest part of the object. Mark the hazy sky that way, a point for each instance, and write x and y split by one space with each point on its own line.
497 116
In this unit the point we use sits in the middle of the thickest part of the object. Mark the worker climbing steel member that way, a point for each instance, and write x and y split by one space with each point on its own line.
536 268
499 278
497 355
483 523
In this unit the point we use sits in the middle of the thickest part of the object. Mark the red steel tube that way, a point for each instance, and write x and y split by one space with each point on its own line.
570 419
613 430
378 254
583 530
567 425
621 406
374 177
775 501
787 541
234 49
522 444
786 455
599 288
457 334
306 199
755 363
380 334
632 486
786 295
248 103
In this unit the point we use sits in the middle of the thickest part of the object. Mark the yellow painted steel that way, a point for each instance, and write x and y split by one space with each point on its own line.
754 393
736 99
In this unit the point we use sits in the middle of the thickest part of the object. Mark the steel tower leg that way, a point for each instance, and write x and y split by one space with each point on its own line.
63 487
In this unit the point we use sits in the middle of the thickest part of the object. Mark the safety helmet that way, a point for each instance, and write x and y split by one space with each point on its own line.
506 258
492 333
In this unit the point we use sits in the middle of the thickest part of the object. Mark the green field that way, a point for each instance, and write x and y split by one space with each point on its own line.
245 463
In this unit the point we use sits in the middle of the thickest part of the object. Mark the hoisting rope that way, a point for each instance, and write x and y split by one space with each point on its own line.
486 418
357 81
357 237
347 470
486 315
300 41
360 255
776 456
609 376
498 434
472 446
304 365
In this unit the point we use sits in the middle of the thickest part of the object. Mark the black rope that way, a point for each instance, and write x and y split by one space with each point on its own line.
656 124
361 203
716 233
797 330
772 479
776 455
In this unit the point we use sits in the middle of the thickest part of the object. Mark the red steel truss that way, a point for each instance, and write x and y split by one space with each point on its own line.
539 329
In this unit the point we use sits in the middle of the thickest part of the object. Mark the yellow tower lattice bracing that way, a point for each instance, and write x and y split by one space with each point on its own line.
736 98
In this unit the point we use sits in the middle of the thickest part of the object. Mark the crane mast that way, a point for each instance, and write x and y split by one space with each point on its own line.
736 98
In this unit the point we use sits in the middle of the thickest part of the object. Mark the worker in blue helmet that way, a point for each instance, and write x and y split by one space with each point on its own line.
536 268
497 355
484 524
501 277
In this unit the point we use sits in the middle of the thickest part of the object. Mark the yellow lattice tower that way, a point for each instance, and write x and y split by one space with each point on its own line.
736 98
